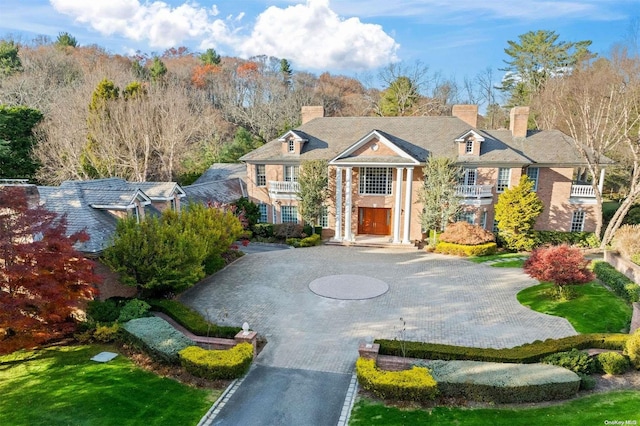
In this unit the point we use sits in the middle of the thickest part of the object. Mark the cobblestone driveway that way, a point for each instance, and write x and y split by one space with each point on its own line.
441 299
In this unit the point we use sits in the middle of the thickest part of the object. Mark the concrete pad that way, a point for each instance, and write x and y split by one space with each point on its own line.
104 357
348 287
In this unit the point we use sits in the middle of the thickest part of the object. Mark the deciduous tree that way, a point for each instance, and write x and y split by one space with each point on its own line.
516 212
42 277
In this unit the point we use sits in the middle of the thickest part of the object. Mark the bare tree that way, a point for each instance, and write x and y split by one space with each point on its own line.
598 105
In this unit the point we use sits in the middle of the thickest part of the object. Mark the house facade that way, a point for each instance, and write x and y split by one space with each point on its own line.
376 171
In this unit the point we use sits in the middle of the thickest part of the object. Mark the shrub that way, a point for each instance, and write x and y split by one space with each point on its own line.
586 382
106 333
502 383
192 320
263 230
311 240
527 353
618 282
466 234
287 230
632 349
612 363
516 212
561 265
463 250
556 238
574 360
217 364
408 385
293 242
103 311
134 308
627 240
161 340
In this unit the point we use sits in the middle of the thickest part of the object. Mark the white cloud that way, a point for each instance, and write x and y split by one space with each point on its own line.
312 36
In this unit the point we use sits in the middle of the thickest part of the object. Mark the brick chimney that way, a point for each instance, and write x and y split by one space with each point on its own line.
466 113
518 121
311 112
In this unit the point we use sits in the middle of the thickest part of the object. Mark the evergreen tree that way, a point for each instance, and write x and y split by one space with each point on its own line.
66 40
399 98
516 212
9 60
158 70
210 57
17 141
243 143
313 181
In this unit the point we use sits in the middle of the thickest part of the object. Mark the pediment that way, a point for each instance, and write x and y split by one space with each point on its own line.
375 145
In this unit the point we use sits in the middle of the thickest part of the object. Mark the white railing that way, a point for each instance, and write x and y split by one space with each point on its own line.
478 191
280 186
582 191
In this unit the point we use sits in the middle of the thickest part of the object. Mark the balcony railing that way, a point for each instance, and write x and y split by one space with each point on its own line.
582 191
283 187
474 191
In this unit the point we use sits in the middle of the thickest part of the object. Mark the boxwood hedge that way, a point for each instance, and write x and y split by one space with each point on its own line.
416 384
217 364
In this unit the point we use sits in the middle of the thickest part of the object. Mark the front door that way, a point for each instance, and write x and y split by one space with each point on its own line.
374 221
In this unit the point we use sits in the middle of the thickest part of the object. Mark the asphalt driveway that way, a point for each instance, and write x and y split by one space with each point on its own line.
439 298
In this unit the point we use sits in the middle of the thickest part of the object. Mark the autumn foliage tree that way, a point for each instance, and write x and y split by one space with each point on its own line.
562 265
42 277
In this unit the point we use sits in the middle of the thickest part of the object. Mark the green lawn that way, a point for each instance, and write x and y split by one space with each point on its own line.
62 386
590 410
502 256
594 310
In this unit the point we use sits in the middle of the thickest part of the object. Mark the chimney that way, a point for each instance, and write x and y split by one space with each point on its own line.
311 112
466 113
518 121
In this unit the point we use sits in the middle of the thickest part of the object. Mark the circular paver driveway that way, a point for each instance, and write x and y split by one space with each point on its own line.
440 299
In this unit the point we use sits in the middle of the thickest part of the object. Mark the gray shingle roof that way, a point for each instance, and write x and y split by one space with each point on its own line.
421 137
223 171
221 191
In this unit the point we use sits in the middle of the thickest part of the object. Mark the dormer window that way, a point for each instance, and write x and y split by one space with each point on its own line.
292 145
468 148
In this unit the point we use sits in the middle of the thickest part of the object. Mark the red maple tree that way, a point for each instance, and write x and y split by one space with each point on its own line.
561 265
43 278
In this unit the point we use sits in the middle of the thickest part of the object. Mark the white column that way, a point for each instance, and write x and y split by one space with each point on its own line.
601 181
407 205
396 212
347 205
338 235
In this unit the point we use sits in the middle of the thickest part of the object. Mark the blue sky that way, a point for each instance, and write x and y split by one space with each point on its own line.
454 38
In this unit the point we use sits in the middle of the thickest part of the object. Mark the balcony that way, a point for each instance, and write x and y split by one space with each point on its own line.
474 191
283 190
582 191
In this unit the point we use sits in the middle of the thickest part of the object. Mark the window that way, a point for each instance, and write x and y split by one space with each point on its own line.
532 173
324 217
261 175
483 220
292 145
468 148
468 178
264 217
376 180
291 173
467 216
577 221
494 228
289 214
504 177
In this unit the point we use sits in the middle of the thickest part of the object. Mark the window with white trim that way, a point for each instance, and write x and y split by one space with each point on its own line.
468 147
532 173
504 179
289 214
468 177
467 216
291 173
376 180
264 214
261 175
483 220
324 217
292 145
577 221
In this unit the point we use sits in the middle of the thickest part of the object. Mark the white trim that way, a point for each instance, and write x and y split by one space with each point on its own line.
463 137
295 135
374 134
398 203
347 205
338 234
407 205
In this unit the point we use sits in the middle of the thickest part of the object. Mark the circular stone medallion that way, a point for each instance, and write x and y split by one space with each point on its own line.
348 287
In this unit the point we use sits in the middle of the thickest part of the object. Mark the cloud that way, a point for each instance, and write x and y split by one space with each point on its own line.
159 23
313 36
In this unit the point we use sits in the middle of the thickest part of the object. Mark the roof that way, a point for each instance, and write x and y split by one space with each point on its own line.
219 191
223 171
420 137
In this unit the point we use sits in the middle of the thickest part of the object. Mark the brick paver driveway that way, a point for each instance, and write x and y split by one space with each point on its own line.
441 299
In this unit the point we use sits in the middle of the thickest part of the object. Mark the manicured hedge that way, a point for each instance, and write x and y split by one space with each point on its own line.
416 384
612 363
556 238
528 353
158 337
192 320
617 281
217 364
503 383
466 250
310 241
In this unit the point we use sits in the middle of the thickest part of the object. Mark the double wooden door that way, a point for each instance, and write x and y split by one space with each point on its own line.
374 221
